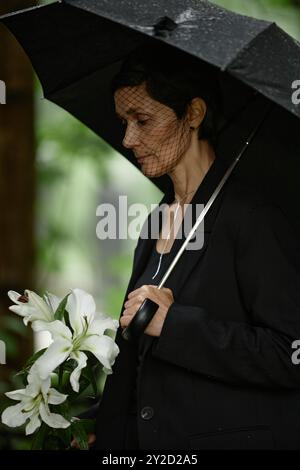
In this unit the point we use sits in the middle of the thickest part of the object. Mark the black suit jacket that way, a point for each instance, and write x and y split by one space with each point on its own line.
220 376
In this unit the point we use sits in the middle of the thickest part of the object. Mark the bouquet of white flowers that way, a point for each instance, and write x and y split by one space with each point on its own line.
55 376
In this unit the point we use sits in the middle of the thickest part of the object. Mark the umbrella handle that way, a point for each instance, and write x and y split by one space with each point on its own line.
140 321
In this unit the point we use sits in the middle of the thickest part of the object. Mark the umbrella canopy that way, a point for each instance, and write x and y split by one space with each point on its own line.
77 46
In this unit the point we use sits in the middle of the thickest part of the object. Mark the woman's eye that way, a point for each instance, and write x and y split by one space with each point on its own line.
142 123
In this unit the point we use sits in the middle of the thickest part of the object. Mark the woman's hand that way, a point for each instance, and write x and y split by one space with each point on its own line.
163 297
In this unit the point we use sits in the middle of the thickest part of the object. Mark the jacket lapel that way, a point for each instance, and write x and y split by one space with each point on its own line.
190 258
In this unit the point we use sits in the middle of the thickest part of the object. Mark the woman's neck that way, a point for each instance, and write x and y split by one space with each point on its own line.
191 169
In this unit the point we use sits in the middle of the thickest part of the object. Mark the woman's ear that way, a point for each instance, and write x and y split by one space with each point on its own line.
196 112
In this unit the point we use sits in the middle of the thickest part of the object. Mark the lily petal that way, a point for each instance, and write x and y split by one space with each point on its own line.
40 325
34 380
81 359
43 312
14 296
80 304
53 301
24 310
55 355
45 387
101 323
13 416
53 420
33 377
57 329
17 394
33 424
103 347
55 397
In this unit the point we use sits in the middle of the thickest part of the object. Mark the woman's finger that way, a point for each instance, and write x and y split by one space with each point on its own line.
91 438
125 321
141 290
133 300
133 309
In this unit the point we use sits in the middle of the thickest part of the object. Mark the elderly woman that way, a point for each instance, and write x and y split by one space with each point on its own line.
213 369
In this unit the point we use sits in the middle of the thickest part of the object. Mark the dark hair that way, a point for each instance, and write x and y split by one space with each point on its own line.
173 79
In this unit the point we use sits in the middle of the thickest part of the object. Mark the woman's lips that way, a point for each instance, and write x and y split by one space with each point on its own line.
141 159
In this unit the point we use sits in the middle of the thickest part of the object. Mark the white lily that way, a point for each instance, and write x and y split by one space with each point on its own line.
35 308
88 328
34 405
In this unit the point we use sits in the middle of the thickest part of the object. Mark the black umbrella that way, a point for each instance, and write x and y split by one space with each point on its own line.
77 46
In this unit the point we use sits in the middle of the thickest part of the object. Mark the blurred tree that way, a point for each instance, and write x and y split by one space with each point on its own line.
17 181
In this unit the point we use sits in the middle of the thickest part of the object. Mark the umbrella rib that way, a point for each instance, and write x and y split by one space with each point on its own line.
51 94
248 45
25 10
255 86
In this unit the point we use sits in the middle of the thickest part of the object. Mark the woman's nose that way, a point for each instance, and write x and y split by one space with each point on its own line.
131 138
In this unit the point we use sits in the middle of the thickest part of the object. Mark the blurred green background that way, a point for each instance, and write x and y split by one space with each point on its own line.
53 174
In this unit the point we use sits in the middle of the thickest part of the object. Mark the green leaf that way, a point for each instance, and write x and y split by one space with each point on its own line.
79 433
60 311
32 360
84 384
89 425
66 380
58 439
90 375
60 375
67 320
63 382
65 435
23 373
39 438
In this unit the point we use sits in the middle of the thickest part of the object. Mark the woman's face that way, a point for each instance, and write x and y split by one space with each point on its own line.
157 137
